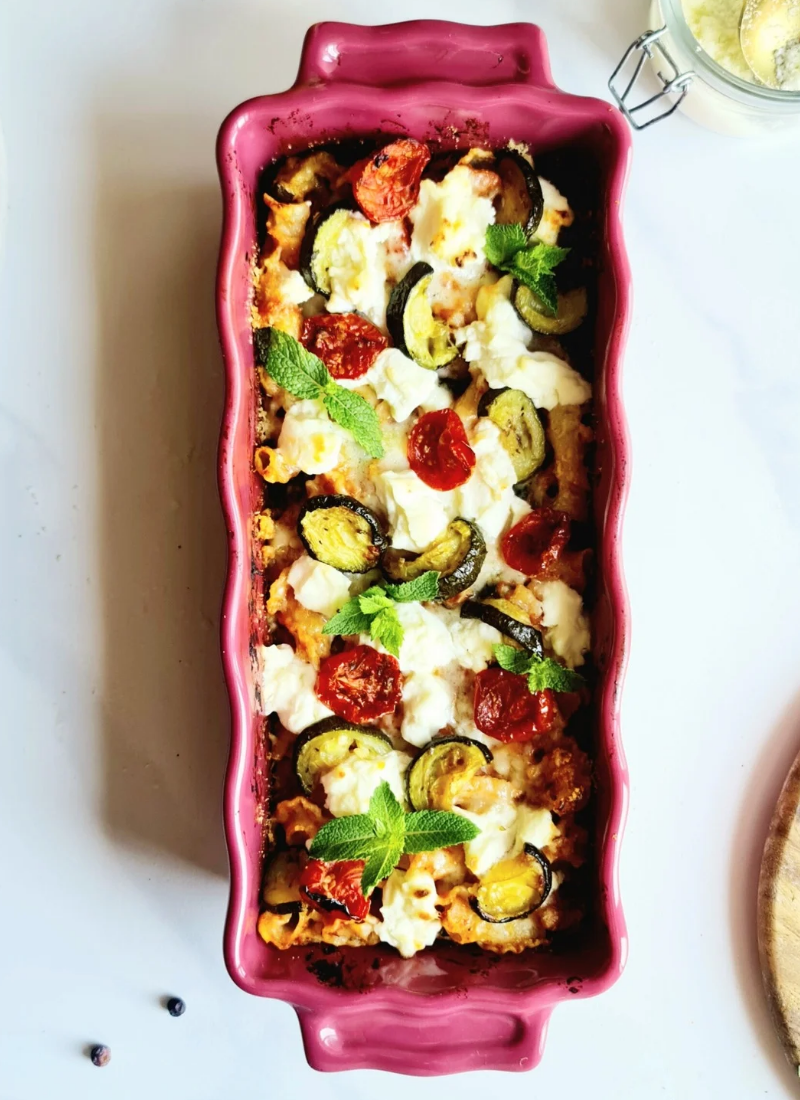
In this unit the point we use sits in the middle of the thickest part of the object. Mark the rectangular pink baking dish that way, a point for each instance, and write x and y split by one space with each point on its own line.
449 1009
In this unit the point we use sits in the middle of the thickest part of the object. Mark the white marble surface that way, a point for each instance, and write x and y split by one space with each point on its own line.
114 715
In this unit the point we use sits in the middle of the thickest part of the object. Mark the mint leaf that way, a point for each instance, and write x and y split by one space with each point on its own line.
356 415
344 838
380 864
386 810
428 830
374 600
288 363
373 612
502 241
513 660
534 267
350 619
424 587
548 673
542 672
387 629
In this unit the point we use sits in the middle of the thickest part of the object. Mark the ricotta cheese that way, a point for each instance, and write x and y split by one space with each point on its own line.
496 839
450 221
428 706
566 627
310 440
497 346
417 513
317 586
410 919
291 288
349 786
404 385
358 267
488 496
556 213
287 688
427 644
473 642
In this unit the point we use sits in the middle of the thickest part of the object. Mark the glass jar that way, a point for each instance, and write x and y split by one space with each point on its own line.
688 79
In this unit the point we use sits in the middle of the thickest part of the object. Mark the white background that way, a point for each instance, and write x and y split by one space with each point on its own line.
114 717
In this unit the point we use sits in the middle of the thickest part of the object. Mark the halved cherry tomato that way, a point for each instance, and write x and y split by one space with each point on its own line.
347 344
438 450
536 541
359 684
507 711
335 888
386 185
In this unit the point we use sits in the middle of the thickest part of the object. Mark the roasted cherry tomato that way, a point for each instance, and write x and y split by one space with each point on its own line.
536 541
507 711
347 344
386 185
359 684
335 888
438 450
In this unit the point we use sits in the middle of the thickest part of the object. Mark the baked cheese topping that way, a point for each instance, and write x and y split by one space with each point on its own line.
516 773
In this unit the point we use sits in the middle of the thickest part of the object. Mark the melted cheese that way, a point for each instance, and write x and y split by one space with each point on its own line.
410 919
450 221
473 642
349 786
556 213
309 439
287 688
417 513
359 266
318 586
404 385
497 346
488 497
566 627
428 706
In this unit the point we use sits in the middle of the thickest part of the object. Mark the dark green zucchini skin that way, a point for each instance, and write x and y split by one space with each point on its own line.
399 326
521 198
521 429
398 300
532 852
370 525
325 726
453 579
523 633
261 339
415 776
308 247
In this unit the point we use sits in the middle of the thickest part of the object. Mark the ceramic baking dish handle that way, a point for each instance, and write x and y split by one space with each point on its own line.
440 1040
424 49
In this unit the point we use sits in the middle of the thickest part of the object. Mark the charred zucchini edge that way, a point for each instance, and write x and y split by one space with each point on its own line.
370 525
488 612
325 728
547 885
419 763
402 302
452 580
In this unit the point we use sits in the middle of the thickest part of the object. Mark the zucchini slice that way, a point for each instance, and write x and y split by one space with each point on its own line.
437 764
320 237
281 891
457 555
329 742
521 430
342 532
570 311
507 618
412 326
514 888
521 198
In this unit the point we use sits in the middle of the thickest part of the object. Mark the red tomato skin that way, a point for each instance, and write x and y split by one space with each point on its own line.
335 888
537 541
386 185
439 452
359 684
347 344
506 710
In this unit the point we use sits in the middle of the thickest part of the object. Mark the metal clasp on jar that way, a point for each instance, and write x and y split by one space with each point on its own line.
674 84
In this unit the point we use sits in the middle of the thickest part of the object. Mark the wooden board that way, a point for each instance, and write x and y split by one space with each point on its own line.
779 916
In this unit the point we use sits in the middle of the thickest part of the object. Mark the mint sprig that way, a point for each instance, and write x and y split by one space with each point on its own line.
385 833
374 613
542 672
530 262
304 375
